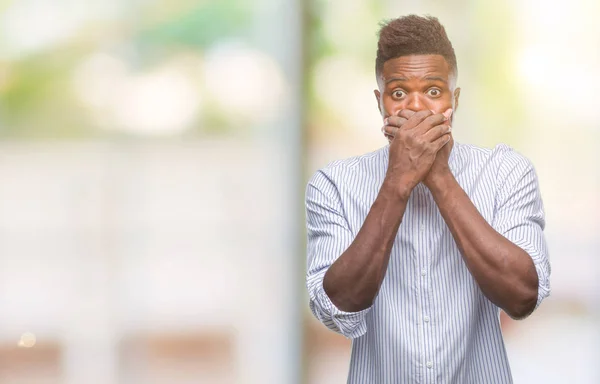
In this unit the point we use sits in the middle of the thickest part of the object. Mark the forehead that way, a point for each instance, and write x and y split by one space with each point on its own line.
416 67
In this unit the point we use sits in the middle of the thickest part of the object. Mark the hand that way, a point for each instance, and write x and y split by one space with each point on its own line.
440 166
414 146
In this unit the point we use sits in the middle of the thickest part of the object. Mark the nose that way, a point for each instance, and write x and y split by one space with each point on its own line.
414 102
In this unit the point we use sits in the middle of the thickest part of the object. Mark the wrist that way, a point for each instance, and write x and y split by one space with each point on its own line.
439 182
398 189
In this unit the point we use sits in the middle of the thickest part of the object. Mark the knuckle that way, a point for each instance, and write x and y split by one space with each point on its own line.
430 118
397 121
424 113
406 113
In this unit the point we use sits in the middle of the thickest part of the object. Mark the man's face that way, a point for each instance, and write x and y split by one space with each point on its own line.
416 82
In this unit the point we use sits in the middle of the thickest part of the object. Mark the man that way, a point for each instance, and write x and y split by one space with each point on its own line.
413 249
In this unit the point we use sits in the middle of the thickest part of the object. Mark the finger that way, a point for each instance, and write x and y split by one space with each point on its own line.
406 113
441 141
389 130
429 122
417 118
436 132
396 120
448 113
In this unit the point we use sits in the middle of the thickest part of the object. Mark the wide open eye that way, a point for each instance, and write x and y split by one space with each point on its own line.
398 94
434 92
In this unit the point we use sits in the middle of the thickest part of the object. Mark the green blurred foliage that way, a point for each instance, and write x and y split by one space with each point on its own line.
323 44
36 101
494 56
198 25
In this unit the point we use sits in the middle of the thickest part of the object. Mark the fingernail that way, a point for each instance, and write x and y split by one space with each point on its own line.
448 113
385 121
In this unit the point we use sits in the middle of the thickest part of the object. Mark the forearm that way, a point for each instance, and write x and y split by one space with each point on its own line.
353 280
504 272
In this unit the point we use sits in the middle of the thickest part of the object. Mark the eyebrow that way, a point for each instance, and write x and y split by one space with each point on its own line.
396 79
436 78
429 78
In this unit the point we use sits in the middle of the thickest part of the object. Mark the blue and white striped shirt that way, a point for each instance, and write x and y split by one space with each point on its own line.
430 322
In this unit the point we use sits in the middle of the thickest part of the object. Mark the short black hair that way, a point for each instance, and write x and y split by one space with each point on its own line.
413 35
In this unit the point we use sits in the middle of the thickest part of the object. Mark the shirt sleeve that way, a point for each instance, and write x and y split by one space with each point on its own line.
520 216
329 236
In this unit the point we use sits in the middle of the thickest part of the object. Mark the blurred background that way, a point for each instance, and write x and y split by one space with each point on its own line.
153 160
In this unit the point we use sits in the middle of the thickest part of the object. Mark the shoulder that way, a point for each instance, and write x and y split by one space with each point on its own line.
502 157
510 170
344 169
356 163
512 165
501 167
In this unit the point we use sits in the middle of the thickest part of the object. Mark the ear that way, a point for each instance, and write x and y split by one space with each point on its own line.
378 98
456 97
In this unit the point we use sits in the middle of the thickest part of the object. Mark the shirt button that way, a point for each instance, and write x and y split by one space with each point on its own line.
422 227
423 272
429 364
426 319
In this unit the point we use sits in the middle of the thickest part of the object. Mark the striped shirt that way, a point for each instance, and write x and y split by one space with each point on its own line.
430 322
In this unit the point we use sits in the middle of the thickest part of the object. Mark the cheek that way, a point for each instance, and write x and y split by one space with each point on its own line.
392 107
441 105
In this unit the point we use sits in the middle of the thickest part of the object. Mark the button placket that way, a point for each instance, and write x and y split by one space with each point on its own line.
424 256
